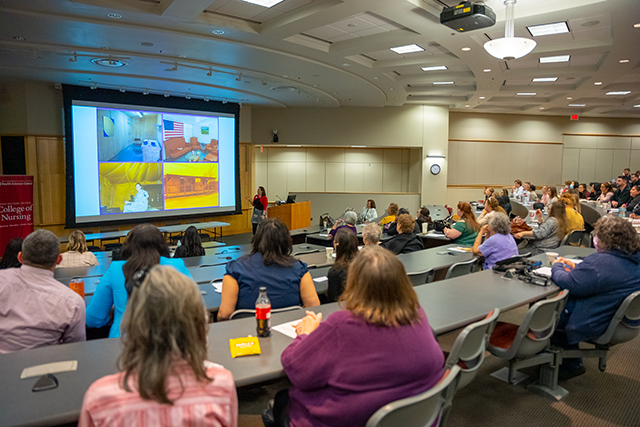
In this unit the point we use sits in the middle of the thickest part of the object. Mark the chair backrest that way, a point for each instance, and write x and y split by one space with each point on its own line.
422 277
537 327
625 324
245 312
470 346
426 409
461 268
573 239
587 240
518 209
437 212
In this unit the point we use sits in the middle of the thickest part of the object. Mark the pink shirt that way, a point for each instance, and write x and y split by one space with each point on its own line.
214 404
77 259
36 310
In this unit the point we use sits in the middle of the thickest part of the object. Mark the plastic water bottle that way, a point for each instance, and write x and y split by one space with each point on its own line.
263 313
623 211
525 198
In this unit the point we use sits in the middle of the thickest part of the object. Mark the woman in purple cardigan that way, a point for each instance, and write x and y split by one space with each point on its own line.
379 349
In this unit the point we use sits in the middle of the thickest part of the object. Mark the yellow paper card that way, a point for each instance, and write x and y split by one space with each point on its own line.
245 346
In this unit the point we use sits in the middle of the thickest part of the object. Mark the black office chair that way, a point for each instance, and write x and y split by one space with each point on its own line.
573 239
461 268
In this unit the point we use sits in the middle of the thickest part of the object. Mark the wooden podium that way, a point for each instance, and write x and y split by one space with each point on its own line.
294 215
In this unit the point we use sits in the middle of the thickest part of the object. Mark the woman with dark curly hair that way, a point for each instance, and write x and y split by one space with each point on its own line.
191 244
597 286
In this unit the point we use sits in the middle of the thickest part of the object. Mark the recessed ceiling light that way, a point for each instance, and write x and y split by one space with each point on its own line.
435 68
597 83
114 15
376 78
623 61
442 83
568 97
487 70
551 59
544 79
466 49
218 32
263 3
619 92
548 29
636 25
577 105
467 105
482 97
525 93
19 38
541 108
636 106
346 64
410 48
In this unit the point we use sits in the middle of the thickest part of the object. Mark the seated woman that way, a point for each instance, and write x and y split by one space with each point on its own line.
11 251
583 193
406 241
145 247
553 195
424 217
491 206
597 286
530 191
550 232
191 244
349 223
164 376
595 191
545 195
498 241
77 255
575 221
393 227
504 201
488 193
371 234
346 247
464 231
381 349
606 193
369 212
269 264
392 212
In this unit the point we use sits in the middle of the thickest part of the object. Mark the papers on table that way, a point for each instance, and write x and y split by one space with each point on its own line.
320 279
459 249
287 328
217 286
323 235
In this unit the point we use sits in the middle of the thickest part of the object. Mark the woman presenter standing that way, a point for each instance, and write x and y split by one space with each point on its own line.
259 208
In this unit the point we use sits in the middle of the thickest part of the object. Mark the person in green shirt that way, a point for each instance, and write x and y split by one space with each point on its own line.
466 229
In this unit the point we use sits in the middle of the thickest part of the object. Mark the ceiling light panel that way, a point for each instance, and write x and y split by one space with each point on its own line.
526 93
544 79
620 92
434 68
264 3
548 29
577 105
410 48
552 59
443 83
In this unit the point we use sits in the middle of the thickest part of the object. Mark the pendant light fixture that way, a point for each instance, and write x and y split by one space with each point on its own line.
509 47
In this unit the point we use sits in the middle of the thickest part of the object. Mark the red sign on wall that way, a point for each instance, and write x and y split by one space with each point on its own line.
16 208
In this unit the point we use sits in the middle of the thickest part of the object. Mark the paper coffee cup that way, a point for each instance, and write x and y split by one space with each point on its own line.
329 252
551 256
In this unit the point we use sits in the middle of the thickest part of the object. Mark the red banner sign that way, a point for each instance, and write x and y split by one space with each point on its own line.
16 208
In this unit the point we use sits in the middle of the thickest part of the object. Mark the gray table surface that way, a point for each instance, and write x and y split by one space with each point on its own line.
449 304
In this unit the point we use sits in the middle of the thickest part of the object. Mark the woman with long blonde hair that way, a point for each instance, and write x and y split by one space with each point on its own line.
77 255
550 233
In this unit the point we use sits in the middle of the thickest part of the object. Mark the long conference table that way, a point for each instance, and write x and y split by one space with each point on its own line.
449 304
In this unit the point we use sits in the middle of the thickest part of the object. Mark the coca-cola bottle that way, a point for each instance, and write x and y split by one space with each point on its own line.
263 313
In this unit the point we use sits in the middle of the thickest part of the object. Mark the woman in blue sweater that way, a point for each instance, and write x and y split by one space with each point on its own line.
145 247
597 286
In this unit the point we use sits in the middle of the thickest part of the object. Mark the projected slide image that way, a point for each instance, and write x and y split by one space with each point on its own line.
130 187
129 136
190 138
190 185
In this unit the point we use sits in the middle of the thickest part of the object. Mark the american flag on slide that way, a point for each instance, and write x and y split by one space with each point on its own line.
173 129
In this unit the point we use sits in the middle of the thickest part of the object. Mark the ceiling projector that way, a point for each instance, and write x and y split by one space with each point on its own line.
467 16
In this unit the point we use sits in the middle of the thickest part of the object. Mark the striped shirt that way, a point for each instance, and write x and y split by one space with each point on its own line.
77 259
214 404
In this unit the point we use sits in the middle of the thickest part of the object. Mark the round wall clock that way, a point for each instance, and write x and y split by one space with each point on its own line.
435 169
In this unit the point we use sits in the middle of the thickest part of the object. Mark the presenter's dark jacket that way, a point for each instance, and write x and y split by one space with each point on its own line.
404 243
597 287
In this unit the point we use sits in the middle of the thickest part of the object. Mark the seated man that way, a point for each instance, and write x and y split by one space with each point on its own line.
518 190
622 194
597 286
634 192
406 241
35 308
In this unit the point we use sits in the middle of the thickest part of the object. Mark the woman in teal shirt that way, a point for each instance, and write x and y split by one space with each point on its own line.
145 247
466 229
